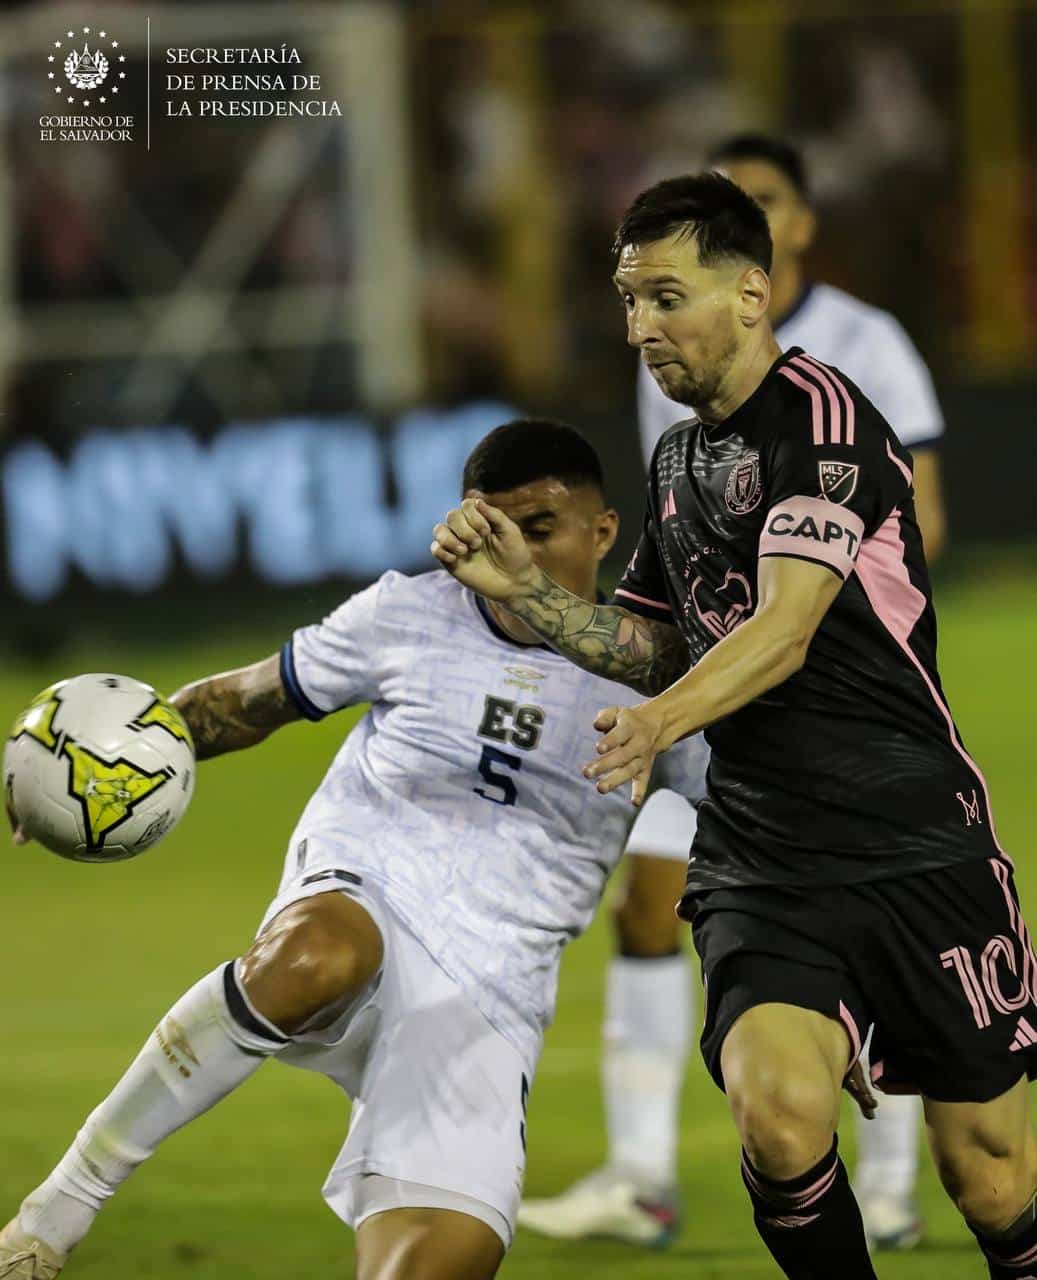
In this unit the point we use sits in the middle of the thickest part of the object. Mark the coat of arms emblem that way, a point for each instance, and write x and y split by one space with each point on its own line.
88 69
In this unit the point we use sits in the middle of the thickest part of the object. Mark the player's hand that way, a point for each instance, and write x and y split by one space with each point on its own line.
857 1086
484 549
628 749
18 834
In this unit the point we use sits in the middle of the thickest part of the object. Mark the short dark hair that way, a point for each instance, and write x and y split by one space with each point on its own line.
725 222
761 146
530 449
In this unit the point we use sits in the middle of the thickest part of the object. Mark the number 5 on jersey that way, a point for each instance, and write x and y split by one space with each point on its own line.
503 721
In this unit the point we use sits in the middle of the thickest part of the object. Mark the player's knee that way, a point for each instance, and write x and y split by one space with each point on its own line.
426 1244
316 956
785 1121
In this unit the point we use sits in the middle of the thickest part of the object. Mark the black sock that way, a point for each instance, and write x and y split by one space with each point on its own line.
1012 1254
811 1224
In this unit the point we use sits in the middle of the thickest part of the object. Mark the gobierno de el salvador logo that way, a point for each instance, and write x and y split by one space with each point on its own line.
91 70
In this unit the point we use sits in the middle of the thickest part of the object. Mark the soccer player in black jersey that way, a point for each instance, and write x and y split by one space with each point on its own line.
846 871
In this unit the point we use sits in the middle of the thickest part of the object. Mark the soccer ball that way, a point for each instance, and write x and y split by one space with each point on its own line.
99 768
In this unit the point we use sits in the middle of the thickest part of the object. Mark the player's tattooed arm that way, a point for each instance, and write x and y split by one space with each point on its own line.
610 641
486 551
236 709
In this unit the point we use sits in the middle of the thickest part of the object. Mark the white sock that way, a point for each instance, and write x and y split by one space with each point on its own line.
196 1056
887 1146
648 1008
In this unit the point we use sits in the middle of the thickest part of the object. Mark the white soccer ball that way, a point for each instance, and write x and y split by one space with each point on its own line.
99 768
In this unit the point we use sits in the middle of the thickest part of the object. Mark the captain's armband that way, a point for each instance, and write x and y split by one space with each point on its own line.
816 530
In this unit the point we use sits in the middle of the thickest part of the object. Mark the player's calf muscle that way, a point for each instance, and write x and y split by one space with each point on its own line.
315 956
989 1192
986 1155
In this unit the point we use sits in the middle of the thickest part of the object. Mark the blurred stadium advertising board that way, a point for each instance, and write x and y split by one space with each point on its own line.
296 501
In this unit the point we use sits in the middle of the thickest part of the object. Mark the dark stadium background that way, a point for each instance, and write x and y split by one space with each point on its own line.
239 371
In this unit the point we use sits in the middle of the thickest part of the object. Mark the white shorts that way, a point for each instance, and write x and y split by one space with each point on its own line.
664 828
438 1093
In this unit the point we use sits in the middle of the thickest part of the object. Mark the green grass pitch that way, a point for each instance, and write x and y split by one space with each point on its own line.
92 956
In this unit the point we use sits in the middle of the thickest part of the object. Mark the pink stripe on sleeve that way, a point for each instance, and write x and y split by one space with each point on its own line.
819 374
904 470
851 415
652 604
813 529
814 393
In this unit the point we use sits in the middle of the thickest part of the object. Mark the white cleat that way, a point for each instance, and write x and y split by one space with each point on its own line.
891 1222
605 1203
24 1257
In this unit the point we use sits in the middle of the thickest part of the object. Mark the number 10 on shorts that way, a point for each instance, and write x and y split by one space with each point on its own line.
981 981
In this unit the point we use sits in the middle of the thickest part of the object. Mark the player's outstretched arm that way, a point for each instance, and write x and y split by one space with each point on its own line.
764 651
486 551
236 709
224 712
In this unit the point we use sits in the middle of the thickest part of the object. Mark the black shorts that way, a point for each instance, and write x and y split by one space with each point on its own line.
940 962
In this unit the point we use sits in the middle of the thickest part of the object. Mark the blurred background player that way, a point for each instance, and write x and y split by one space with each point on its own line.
648 1013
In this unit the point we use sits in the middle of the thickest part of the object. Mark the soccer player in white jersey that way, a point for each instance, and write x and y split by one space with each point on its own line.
411 952
646 1042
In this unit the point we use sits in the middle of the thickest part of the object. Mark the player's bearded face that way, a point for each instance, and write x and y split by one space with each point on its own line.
700 363
681 316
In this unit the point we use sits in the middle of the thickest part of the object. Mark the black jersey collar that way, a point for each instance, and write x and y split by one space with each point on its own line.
744 413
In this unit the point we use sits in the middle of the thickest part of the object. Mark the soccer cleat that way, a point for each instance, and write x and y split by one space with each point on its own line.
606 1203
891 1222
24 1257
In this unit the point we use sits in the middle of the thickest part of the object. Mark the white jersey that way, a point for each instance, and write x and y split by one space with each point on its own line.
459 794
869 345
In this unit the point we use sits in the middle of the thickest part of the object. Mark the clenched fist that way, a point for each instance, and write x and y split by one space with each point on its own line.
484 550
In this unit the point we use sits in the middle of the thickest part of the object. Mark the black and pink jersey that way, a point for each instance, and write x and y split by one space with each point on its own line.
853 768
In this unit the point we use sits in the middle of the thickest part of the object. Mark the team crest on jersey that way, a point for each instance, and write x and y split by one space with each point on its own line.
838 480
744 487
